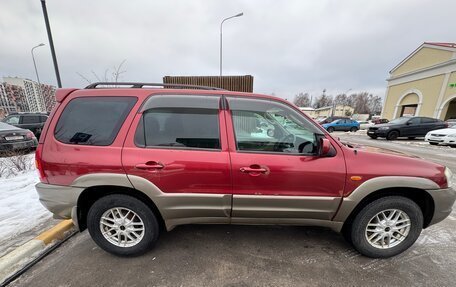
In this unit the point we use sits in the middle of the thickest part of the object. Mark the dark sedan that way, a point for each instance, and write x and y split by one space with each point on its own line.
14 138
409 127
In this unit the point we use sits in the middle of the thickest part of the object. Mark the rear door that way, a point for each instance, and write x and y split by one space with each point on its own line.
277 175
178 144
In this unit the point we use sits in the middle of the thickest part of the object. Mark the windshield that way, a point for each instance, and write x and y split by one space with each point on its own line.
401 120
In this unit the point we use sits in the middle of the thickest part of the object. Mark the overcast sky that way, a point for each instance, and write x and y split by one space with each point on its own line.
288 46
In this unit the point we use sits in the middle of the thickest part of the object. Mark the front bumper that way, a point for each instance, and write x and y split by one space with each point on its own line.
441 140
443 203
377 133
60 200
9 146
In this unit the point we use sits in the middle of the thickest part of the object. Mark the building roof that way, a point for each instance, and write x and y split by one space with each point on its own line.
448 45
436 45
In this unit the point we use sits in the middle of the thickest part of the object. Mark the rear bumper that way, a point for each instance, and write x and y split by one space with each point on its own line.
18 145
443 203
60 200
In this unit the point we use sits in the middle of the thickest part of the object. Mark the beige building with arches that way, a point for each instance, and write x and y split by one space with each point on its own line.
423 84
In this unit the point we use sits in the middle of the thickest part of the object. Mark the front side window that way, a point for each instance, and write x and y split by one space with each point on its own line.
269 126
180 122
93 120
13 120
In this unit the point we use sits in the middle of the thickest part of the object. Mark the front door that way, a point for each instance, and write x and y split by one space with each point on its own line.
176 143
277 174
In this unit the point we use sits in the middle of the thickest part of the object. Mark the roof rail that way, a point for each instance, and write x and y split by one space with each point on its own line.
141 85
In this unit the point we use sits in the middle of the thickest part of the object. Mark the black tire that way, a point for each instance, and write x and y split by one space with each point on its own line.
392 135
358 227
373 137
151 226
453 146
354 129
431 143
330 129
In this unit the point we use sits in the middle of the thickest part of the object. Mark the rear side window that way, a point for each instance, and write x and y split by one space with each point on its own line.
93 120
428 120
180 122
31 119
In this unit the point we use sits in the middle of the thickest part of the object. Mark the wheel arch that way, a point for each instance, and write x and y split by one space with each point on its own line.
409 187
93 193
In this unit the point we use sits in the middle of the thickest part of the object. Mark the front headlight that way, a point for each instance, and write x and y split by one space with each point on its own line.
383 128
449 176
452 136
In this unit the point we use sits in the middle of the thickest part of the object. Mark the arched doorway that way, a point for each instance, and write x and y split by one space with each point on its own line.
408 104
448 109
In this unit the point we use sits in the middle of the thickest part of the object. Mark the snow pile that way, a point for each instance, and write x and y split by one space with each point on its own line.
20 209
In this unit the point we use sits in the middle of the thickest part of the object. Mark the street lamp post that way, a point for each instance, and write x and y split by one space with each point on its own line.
51 43
36 70
221 39
34 63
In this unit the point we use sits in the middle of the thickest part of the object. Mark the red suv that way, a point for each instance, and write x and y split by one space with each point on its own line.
128 163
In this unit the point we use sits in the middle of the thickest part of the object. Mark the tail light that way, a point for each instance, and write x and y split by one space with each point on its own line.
446 124
39 164
29 135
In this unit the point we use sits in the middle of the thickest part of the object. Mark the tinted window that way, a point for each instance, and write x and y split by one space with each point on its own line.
30 119
428 120
269 126
180 121
13 120
414 121
93 120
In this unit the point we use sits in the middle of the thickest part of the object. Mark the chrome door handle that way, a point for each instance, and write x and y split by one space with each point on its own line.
150 165
254 170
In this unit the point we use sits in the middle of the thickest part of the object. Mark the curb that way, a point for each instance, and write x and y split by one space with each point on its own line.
19 257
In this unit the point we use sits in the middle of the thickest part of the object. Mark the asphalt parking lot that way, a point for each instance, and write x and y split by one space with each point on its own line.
216 255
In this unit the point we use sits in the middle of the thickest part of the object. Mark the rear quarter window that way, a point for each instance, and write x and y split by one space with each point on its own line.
93 120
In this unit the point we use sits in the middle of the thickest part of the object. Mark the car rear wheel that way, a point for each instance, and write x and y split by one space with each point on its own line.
453 146
330 129
392 135
353 129
373 137
386 227
122 225
431 143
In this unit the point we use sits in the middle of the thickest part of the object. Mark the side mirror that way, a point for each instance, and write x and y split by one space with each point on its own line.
408 123
325 147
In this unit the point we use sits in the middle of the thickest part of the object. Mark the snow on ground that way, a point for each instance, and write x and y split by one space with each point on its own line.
20 209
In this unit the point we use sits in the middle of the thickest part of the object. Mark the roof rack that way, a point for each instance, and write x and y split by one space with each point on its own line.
134 85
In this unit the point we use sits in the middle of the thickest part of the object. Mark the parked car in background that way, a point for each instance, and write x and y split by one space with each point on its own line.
13 138
364 125
409 127
451 122
442 136
31 121
130 163
342 125
379 121
331 119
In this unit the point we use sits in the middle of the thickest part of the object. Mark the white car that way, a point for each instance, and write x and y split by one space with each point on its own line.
443 136
365 125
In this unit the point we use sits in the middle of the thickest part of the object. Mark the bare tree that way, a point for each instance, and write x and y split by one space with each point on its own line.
114 74
302 100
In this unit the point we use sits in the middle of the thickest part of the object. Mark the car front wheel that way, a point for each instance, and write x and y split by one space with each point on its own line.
122 225
392 135
353 129
386 227
330 129
431 143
